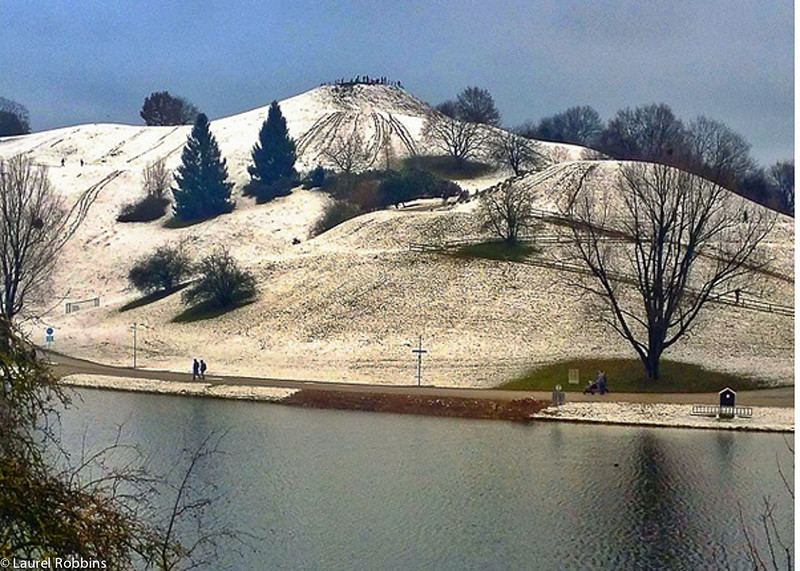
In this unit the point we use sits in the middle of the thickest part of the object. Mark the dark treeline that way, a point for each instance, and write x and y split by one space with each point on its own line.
704 147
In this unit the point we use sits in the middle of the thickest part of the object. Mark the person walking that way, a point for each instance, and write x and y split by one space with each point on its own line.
195 370
202 369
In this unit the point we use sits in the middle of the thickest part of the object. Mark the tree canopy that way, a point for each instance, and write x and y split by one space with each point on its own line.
161 108
14 119
476 105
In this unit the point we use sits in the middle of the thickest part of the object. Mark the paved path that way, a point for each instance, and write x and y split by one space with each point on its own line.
65 365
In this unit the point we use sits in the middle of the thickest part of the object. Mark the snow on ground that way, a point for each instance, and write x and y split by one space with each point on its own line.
673 415
200 389
349 304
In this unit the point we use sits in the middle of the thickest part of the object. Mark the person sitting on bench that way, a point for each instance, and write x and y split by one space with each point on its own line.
600 385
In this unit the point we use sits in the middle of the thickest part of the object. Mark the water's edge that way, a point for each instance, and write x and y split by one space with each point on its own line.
518 410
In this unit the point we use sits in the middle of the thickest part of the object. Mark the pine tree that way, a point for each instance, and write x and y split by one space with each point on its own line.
203 189
274 154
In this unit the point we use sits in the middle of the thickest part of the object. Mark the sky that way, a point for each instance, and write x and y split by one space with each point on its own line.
71 62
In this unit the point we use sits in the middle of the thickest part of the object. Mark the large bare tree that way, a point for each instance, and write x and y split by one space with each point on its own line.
507 211
659 247
516 152
349 153
459 139
722 154
35 225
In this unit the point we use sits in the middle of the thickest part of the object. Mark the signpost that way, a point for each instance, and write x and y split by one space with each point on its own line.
574 376
49 339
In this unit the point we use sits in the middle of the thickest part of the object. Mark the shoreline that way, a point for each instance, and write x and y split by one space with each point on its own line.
523 409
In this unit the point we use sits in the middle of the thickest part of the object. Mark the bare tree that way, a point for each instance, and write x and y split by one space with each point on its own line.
35 225
689 242
186 539
781 180
580 125
649 132
515 152
349 154
507 211
449 108
476 105
723 155
189 111
460 140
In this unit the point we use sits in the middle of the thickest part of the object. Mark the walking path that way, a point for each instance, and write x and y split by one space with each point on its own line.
773 409
65 365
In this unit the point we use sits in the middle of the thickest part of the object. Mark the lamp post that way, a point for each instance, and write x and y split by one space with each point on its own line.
419 351
134 344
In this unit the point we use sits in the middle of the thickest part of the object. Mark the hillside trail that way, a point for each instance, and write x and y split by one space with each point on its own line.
64 365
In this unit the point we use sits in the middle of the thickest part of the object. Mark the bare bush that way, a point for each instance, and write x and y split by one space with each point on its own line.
156 178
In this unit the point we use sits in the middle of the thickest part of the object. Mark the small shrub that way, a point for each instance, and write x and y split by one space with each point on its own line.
366 195
266 192
448 189
447 167
147 209
317 178
164 269
336 212
221 283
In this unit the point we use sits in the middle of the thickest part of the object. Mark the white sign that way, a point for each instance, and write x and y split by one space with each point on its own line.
49 335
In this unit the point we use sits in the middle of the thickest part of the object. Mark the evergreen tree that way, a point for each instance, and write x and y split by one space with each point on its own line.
273 156
203 189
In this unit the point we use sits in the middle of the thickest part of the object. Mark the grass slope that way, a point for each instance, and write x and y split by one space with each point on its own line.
627 376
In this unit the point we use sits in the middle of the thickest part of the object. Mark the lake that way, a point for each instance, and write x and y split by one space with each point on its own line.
350 490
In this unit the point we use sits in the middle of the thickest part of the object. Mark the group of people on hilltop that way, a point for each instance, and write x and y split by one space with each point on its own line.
198 369
367 80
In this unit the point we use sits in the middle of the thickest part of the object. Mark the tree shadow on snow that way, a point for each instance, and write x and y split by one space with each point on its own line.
152 297
203 311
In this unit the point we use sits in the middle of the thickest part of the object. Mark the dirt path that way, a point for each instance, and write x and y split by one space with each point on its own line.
65 365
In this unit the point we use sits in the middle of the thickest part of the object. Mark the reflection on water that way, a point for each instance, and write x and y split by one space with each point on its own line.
340 490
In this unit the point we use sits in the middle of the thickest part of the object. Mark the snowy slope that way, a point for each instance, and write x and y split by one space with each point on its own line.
344 305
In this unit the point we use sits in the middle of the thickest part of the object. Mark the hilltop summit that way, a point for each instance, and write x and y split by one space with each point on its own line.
388 119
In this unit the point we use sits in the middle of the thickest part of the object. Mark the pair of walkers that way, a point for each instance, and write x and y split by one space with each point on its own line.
198 369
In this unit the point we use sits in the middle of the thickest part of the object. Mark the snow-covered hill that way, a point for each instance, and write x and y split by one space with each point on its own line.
347 304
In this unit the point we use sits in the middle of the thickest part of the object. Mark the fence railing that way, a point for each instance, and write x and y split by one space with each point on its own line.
722 411
729 299
72 306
